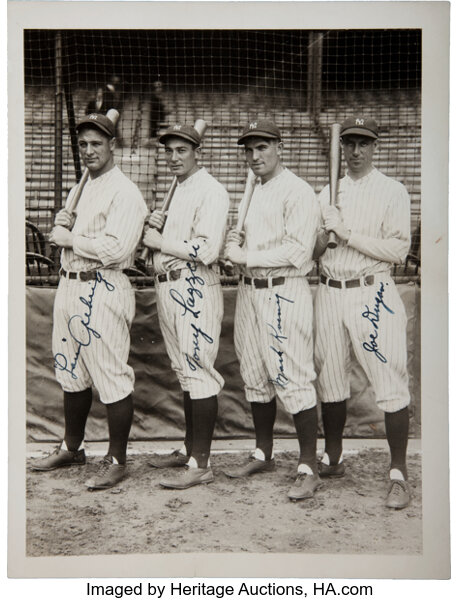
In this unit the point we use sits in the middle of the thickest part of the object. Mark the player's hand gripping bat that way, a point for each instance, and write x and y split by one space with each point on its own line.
334 163
243 208
200 125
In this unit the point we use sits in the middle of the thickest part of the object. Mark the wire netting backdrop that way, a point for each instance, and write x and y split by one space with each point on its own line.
304 80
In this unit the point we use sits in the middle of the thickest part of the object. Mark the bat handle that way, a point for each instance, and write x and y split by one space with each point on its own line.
332 240
144 255
145 252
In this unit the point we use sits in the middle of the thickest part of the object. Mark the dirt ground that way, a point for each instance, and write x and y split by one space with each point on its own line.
253 515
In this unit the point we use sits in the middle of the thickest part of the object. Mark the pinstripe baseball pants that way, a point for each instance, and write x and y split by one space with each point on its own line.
190 323
91 338
371 319
274 345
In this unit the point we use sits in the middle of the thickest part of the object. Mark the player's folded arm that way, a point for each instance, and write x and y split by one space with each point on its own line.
121 236
210 226
392 250
394 244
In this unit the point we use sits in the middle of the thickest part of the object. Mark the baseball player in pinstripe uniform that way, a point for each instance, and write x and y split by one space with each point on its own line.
189 297
357 302
273 320
95 304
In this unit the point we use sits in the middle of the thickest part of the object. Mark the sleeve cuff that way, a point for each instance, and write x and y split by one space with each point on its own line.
174 248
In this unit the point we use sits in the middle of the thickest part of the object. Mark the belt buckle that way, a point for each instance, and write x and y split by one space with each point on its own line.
84 276
368 280
174 275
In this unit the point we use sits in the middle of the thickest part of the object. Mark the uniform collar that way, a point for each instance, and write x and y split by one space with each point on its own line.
276 178
363 179
190 180
102 177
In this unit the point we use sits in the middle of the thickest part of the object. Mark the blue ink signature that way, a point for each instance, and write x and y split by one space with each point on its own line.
281 379
84 335
195 361
373 317
189 305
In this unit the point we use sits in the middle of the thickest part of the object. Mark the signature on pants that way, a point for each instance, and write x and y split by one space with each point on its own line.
276 332
80 330
373 317
189 305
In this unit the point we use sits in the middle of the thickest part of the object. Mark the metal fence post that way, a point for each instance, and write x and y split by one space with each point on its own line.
58 103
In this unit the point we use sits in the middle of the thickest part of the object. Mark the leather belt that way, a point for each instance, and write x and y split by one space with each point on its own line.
81 275
349 283
177 273
170 276
262 283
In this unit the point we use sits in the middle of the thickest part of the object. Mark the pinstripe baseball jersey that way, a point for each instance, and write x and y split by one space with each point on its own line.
273 325
371 316
92 318
376 209
197 213
108 225
281 227
190 309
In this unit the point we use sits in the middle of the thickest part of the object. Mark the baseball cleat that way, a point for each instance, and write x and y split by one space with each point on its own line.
253 465
399 495
331 470
107 476
59 458
188 479
164 461
304 487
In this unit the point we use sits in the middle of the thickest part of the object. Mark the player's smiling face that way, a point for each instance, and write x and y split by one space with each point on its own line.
96 150
181 157
263 156
358 153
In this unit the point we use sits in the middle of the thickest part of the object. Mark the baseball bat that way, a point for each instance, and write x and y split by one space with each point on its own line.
244 206
334 163
200 125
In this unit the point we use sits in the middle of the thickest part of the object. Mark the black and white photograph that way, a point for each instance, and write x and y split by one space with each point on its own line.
234 303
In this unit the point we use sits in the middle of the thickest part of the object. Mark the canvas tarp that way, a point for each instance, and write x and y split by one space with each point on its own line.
157 395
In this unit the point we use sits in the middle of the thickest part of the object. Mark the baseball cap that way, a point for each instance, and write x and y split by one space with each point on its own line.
360 126
263 128
100 121
187 132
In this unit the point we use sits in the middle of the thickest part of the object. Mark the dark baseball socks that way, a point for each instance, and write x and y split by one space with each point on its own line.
397 428
204 415
76 410
119 415
306 430
264 416
334 420
187 409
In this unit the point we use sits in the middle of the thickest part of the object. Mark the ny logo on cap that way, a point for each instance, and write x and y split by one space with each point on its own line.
253 125
359 122
177 127
93 117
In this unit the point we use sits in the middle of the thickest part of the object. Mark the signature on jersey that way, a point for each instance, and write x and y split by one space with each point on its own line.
80 330
373 317
193 294
281 379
